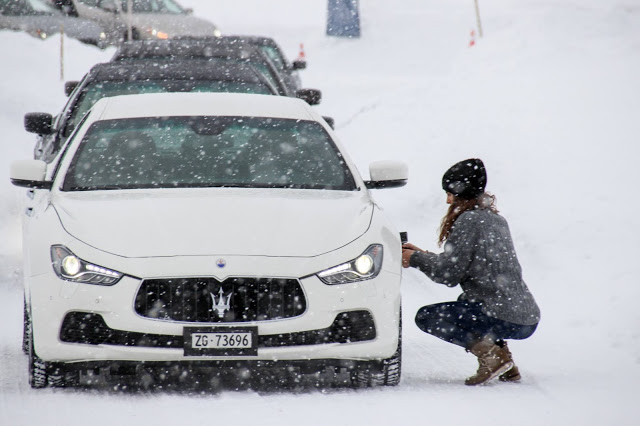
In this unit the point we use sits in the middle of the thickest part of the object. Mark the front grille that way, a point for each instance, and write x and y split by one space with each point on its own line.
209 300
90 328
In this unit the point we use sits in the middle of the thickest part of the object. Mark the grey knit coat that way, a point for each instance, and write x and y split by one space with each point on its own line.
479 256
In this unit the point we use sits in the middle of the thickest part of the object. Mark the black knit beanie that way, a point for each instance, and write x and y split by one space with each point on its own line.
466 179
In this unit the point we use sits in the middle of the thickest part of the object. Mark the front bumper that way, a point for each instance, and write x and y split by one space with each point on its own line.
53 300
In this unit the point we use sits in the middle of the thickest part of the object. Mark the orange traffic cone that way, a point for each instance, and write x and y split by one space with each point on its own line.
472 42
301 55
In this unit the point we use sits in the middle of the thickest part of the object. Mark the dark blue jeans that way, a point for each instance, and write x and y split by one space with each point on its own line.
464 324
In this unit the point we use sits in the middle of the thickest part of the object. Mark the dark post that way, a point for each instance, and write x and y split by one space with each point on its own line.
343 19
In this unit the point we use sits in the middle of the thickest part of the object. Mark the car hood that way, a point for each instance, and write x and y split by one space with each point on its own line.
174 25
215 221
52 24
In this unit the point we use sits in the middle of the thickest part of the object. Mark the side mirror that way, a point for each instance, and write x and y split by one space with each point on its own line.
69 87
299 64
310 96
330 121
29 174
38 122
387 174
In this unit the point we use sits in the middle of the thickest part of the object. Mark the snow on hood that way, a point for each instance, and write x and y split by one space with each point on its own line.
215 221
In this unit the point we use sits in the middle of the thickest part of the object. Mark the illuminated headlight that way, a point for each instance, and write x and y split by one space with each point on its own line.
158 34
217 33
71 268
364 267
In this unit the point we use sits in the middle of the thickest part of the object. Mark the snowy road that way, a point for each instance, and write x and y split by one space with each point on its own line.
548 98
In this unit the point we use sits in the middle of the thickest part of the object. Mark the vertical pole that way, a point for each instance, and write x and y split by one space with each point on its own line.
61 52
129 30
478 19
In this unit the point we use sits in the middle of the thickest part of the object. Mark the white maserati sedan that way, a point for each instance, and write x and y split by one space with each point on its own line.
191 235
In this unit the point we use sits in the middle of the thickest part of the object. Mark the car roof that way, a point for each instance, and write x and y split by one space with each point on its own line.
175 70
187 47
202 104
252 39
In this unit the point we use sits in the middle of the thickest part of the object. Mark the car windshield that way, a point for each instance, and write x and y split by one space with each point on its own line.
275 56
179 152
153 6
26 7
259 65
97 91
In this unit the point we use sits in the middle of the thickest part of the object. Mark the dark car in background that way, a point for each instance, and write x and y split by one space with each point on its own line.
214 49
134 77
274 52
40 19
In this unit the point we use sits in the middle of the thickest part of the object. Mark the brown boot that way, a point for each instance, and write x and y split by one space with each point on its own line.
493 361
512 375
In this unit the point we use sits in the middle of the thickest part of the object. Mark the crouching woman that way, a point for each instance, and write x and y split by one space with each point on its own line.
495 304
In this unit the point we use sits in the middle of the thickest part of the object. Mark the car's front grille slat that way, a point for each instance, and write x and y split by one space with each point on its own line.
210 300
90 328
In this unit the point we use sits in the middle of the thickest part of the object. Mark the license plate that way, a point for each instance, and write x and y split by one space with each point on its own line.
221 341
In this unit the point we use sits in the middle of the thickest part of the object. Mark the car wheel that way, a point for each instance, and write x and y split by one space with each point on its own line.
26 330
381 373
59 377
37 367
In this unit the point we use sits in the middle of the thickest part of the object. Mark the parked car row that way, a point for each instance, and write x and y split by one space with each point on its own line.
202 65
104 22
191 216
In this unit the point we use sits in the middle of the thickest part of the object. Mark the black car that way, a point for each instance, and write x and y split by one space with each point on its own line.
232 49
274 52
123 78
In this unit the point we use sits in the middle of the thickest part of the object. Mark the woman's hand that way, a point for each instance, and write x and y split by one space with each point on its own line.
406 257
407 251
410 246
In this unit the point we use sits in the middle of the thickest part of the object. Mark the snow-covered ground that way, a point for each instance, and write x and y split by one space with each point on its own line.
549 98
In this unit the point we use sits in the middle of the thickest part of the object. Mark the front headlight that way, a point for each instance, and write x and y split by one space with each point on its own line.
69 267
364 267
157 33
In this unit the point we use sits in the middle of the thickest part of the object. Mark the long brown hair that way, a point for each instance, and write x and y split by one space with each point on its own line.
461 205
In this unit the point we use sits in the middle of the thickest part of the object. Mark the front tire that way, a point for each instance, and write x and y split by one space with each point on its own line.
381 373
37 367
26 330
384 373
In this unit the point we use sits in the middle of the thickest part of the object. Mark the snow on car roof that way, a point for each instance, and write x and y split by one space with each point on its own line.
198 104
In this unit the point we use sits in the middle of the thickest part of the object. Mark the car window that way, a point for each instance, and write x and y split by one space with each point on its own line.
275 56
97 91
269 73
42 6
170 152
153 6
11 8
25 7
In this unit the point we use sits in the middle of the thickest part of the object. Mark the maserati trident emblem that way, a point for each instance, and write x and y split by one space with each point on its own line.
222 305
221 263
